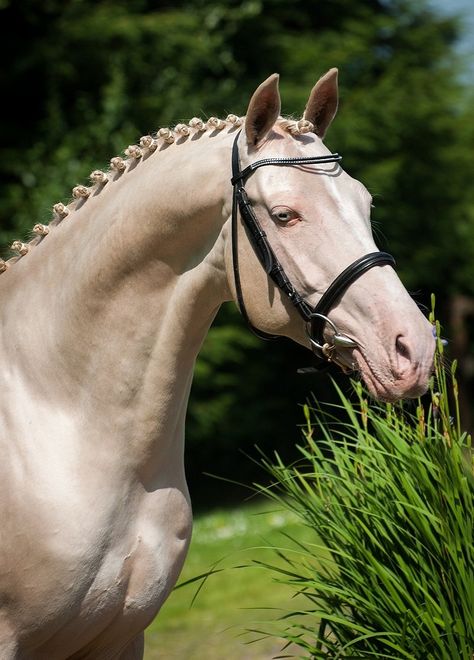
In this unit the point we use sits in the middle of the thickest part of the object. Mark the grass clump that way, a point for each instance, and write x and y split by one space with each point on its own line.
390 498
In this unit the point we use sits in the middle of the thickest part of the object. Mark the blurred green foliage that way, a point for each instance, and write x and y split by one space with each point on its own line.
87 77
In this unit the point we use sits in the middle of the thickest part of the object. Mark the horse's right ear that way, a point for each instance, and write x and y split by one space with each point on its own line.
263 110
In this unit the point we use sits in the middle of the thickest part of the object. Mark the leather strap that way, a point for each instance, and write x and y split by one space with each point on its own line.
238 284
303 160
341 284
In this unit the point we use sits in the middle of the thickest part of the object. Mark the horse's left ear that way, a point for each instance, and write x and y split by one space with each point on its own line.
322 103
263 110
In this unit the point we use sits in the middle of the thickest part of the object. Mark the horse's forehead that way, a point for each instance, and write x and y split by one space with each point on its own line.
332 179
282 143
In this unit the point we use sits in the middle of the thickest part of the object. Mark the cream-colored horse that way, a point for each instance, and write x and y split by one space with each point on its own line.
102 316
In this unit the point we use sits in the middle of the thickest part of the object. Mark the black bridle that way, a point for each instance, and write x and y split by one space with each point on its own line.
315 317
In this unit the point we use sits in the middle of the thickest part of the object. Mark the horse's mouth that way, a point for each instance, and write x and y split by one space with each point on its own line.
353 360
381 387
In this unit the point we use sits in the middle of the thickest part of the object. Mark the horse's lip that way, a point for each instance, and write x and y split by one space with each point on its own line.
375 386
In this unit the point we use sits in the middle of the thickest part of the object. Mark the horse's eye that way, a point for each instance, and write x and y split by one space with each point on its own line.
283 214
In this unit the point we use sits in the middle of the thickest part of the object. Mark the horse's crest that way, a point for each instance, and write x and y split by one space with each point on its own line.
133 153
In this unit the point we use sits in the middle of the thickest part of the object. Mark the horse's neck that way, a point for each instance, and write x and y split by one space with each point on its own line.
108 313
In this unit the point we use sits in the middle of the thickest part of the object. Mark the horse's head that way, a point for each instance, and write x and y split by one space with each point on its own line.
317 224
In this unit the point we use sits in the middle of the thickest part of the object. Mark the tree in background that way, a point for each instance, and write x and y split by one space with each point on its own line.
88 76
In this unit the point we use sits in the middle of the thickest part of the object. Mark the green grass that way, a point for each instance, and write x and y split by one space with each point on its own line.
391 495
365 549
213 626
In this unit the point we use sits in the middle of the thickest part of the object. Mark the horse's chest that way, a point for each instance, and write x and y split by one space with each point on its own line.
138 572
107 579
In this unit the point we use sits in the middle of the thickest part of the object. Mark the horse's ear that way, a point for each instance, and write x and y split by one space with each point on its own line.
263 110
322 103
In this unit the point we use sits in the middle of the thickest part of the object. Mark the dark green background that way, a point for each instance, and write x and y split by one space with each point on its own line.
81 79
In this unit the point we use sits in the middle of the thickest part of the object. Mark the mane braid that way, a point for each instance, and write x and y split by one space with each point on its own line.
134 152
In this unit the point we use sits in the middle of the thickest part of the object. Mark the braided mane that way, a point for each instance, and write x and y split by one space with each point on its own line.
119 165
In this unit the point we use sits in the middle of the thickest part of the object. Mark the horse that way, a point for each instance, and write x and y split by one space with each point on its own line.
102 316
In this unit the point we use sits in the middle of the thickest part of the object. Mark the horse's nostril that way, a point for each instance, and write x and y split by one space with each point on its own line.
402 348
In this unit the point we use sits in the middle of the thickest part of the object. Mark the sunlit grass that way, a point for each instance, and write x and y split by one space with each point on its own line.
391 496
365 548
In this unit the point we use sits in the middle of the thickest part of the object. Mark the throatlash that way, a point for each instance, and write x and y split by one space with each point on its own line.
118 166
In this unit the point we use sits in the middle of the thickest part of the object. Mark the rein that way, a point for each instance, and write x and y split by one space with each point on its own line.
315 317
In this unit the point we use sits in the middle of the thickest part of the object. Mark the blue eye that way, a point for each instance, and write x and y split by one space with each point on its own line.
283 214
